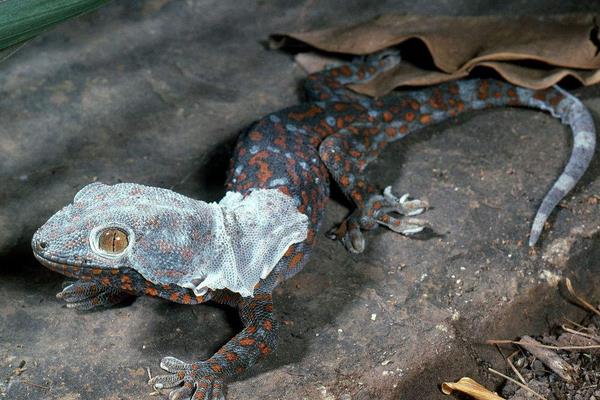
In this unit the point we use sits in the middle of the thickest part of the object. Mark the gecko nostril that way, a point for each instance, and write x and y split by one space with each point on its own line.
42 245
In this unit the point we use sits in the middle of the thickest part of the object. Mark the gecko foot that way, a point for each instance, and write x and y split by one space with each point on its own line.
379 211
385 59
85 295
200 382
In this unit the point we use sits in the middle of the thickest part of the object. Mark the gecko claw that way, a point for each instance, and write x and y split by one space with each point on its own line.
403 205
354 240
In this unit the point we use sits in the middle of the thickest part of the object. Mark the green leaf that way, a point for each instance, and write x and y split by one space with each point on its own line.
21 20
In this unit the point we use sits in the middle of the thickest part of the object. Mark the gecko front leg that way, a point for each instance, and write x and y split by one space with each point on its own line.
204 380
86 295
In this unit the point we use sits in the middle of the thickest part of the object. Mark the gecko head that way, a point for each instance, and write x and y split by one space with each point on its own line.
109 231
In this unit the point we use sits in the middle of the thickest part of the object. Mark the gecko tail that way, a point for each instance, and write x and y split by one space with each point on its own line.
571 111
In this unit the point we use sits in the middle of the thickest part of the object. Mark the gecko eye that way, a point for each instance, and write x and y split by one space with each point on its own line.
113 240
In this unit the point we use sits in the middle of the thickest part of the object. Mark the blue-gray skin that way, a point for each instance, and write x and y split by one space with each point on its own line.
296 151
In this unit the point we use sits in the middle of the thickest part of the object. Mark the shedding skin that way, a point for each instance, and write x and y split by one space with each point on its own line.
334 135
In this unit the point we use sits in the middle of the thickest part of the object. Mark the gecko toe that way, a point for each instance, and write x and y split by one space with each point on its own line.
354 240
173 365
166 381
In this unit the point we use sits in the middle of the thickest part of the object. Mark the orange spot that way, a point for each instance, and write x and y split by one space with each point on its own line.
425 119
268 325
255 136
247 342
354 153
217 368
280 141
388 116
295 260
511 92
95 271
340 123
484 90
345 70
340 106
403 129
105 281
251 329
264 349
344 181
414 105
174 297
555 100
409 116
357 196
151 292
264 173
231 357
187 299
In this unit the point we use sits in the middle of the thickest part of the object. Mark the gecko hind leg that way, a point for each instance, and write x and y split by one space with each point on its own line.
373 208
329 84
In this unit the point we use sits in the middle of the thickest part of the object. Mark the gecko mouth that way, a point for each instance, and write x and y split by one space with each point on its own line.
72 267
68 267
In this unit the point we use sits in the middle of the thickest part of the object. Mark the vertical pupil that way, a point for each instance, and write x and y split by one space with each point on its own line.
113 240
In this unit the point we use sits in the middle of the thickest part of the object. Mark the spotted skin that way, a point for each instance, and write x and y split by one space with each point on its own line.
297 150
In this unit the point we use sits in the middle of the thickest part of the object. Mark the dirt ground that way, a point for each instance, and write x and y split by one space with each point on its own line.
156 91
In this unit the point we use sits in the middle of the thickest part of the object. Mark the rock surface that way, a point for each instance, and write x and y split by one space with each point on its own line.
156 91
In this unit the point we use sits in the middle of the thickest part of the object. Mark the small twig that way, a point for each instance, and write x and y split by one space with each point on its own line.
509 361
37 385
533 392
589 386
578 333
581 300
576 324
156 392
544 345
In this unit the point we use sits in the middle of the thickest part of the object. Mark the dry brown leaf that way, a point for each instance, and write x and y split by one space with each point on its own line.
534 52
469 386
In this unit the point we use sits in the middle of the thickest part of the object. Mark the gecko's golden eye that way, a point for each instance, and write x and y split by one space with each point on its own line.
113 240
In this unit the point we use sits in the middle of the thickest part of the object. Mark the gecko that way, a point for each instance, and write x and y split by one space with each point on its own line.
125 240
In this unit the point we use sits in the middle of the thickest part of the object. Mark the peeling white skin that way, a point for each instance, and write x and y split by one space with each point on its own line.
178 240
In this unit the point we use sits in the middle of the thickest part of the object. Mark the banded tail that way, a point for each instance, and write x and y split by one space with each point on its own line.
560 104
571 111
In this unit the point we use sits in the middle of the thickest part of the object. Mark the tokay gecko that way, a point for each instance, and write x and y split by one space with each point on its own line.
128 240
